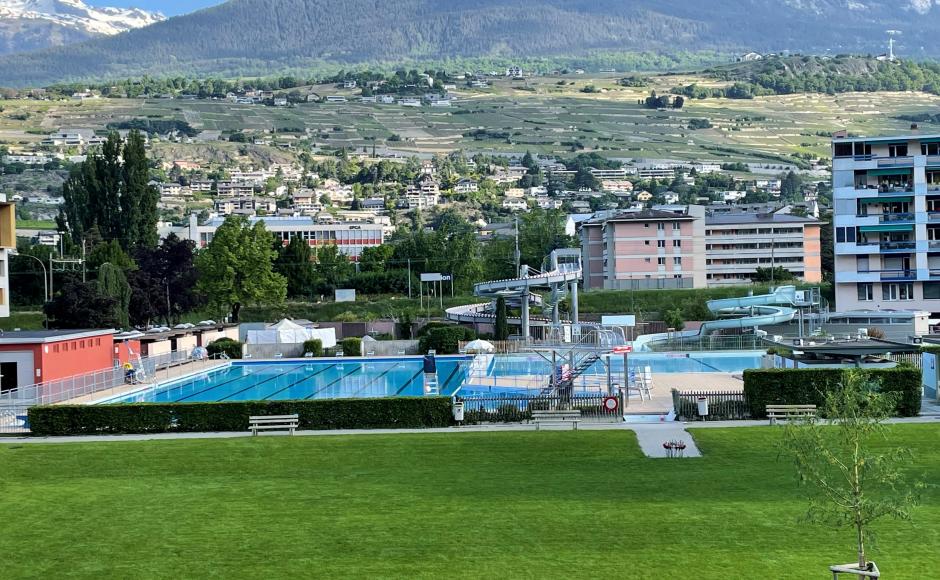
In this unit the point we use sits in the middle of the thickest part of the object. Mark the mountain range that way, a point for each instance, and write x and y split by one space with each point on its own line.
35 24
264 36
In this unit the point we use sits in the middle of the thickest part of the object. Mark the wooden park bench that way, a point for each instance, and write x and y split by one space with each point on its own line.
556 417
788 412
269 422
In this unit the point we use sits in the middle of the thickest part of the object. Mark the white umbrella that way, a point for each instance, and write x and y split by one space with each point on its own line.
479 346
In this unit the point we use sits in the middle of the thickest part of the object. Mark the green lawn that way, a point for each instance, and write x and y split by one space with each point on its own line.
537 505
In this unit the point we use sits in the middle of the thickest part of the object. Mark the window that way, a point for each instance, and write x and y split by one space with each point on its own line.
866 292
897 150
844 235
931 290
647 260
661 243
646 225
661 226
647 242
677 261
895 292
677 243
676 226
661 261
840 235
861 263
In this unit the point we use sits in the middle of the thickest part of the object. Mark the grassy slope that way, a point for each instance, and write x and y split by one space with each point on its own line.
551 504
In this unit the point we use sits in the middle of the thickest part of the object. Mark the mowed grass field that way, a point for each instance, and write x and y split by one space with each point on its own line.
548 115
476 505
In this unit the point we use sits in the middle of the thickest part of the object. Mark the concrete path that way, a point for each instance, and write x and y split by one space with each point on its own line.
652 436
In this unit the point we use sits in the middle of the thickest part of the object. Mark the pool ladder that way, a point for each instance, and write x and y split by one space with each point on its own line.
431 388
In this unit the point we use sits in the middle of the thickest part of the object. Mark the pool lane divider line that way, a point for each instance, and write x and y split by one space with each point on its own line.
302 379
217 385
450 377
408 384
374 379
242 377
330 384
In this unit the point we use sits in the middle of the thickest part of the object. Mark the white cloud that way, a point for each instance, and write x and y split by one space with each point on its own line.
922 6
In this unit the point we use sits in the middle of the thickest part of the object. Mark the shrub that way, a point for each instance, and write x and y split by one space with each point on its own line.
807 387
385 413
227 346
352 346
313 346
445 339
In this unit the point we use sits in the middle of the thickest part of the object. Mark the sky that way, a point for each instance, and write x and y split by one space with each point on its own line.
168 7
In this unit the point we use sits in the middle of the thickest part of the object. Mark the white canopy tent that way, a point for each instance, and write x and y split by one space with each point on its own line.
289 332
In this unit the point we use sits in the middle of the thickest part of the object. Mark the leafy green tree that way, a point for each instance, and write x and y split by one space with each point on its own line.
776 274
540 232
113 283
501 331
295 263
111 191
81 305
673 319
332 266
852 481
165 284
109 253
376 258
238 267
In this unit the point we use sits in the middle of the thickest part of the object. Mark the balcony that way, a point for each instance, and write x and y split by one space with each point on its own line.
933 216
893 218
898 275
903 161
907 246
933 245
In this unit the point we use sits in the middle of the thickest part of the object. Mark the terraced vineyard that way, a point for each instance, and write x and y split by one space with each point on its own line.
547 114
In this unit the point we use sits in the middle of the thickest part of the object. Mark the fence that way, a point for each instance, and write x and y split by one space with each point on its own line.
14 402
518 408
709 342
722 406
911 358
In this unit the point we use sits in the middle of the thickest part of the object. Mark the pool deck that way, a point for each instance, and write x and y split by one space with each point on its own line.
161 376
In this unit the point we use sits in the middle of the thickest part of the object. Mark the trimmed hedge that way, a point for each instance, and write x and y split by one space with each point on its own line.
384 413
351 346
807 387
445 339
231 348
314 346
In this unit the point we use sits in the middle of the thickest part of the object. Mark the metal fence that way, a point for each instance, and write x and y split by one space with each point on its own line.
710 342
911 358
518 408
722 405
15 402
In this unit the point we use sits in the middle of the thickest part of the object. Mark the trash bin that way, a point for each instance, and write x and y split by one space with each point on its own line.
458 411
702 406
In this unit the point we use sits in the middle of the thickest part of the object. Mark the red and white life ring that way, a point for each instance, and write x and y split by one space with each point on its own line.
622 349
611 403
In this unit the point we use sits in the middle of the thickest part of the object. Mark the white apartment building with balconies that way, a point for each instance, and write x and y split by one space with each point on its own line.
886 198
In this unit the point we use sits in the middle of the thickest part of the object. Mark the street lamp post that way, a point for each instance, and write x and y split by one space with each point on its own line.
45 272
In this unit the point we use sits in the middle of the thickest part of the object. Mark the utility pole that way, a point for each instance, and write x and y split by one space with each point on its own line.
409 278
518 255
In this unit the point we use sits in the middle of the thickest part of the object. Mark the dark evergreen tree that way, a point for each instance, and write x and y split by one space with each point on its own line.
501 332
294 262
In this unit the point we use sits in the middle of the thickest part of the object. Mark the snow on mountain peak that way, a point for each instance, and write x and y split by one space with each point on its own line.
77 15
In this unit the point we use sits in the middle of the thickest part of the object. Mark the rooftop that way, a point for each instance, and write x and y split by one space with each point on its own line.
889 138
43 336
758 218
645 215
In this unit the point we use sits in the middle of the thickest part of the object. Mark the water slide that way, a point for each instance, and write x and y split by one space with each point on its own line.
518 293
737 313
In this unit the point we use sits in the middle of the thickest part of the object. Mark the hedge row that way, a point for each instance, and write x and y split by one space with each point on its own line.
445 339
764 387
385 413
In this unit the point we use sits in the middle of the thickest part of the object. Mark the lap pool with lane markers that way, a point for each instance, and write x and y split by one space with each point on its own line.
312 379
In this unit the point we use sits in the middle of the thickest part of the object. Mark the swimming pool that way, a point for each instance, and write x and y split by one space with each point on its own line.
695 362
314 379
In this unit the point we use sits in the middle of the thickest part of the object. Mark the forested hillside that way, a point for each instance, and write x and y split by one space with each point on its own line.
252 36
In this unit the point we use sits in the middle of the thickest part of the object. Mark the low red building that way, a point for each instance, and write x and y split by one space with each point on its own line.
40 356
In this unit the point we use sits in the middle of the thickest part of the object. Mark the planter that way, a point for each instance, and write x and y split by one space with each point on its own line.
852 570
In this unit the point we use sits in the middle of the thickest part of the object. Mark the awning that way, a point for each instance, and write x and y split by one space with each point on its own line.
887 228
887 199
895 171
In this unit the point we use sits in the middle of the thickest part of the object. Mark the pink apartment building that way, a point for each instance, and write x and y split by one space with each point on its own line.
647 249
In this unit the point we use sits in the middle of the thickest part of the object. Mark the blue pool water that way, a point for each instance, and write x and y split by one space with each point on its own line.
696 362
388 377
317 379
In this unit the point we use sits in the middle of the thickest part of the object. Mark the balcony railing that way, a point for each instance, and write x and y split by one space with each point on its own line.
933 216
935 273
895 246
898 274
890 218
933 245
903 161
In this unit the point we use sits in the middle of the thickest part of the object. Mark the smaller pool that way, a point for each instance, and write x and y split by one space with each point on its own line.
695 362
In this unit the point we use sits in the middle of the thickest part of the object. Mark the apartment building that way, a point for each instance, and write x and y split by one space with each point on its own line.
7 243
736 245
645 250
350 237
886 197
